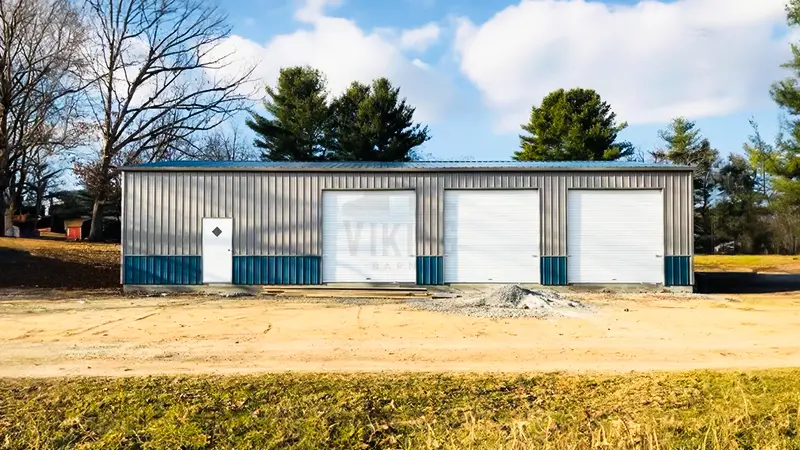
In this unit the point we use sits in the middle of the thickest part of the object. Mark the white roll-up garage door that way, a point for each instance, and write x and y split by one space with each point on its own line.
615 236
491 236
368 236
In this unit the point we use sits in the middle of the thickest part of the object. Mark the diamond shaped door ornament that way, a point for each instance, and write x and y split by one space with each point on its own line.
216 231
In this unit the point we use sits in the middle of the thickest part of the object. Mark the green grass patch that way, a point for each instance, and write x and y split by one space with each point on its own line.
688 410
757 263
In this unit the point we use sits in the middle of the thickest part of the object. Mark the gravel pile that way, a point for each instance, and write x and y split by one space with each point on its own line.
507 301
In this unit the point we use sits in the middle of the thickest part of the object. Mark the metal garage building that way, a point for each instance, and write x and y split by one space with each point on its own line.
427 223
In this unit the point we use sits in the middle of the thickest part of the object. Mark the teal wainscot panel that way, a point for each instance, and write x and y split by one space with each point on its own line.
554 270
677 270
255 270
430 270
162 269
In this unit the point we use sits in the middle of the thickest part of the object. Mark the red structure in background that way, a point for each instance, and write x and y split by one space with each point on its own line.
77 229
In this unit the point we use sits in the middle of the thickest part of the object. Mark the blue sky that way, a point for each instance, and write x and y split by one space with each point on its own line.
473 69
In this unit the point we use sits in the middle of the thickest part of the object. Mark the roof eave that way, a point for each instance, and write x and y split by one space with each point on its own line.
406 169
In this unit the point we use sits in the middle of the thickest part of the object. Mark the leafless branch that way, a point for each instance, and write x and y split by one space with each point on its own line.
40 77
221 144
160 77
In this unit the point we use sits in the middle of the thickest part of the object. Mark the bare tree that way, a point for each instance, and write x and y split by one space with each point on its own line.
225 145
160 77
40 67
42 178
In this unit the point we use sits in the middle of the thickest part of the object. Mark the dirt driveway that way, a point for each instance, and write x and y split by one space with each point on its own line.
103 334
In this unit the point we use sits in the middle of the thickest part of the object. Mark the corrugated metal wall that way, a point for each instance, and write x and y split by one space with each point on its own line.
279 213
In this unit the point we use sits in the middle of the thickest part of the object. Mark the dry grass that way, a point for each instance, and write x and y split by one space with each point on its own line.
747 263
49 263
688 410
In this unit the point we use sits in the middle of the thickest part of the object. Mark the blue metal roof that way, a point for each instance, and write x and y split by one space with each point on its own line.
398 166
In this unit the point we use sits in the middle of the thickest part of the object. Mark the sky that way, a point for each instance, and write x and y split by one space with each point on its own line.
473 69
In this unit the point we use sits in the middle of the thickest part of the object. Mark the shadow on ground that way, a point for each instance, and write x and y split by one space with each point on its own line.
19 268
745 282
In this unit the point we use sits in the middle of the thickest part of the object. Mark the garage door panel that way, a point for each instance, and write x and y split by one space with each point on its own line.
615 236
491 236
369 236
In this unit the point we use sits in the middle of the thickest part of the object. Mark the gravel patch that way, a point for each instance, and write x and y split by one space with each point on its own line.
509 301
235 294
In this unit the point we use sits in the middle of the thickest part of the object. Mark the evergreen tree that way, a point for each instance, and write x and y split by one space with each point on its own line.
786 93
686 146
682 139
784 161
737 210
761 157
574 125
299 124
372 123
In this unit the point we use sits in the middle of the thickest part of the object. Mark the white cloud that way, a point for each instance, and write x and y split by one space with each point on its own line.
420 38
651 61
313 10
345 53
421 64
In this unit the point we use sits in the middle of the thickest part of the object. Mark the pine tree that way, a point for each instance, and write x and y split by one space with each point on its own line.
574 125
761 157
786 93
737 207
686 146
299 125
372 123
784 161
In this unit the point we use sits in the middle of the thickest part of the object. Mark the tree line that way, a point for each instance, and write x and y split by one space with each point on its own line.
116 82
367 122
747 202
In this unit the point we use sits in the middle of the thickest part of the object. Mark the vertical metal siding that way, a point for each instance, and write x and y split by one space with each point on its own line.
259 270
122 233
279 213
430 270
162 270
554 270
678 271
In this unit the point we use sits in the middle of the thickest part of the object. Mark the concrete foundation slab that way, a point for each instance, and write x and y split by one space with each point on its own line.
192 288
233 289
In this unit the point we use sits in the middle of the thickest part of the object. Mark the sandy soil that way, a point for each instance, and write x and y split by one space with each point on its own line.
102 334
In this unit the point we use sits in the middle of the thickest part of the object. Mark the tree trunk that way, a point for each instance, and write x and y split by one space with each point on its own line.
39 201
3 205
16 189
96 232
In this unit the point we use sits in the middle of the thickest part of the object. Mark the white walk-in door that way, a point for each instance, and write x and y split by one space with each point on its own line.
491 236
368 237
615 236
217 245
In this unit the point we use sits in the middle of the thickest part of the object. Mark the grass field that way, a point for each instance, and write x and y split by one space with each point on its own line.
50 263
685 410
747 263
651 410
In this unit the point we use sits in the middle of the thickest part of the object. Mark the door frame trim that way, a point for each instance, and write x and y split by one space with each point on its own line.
202 248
